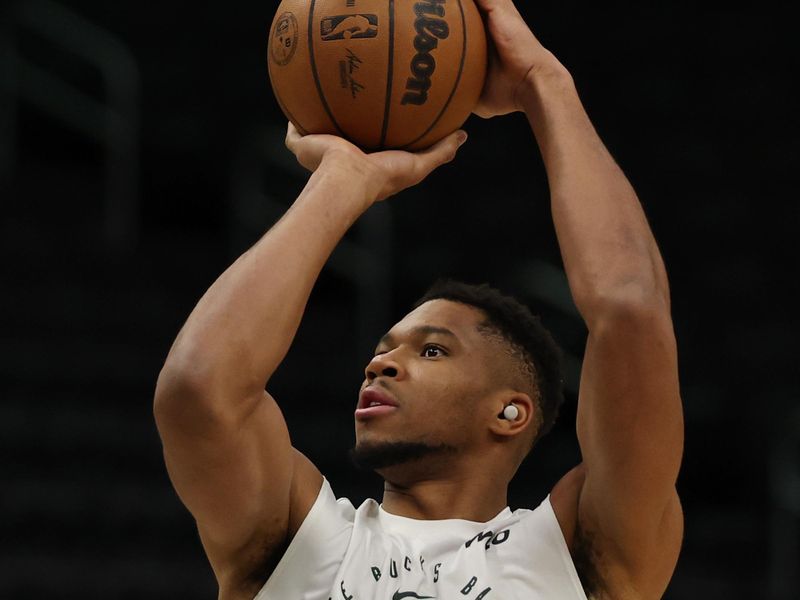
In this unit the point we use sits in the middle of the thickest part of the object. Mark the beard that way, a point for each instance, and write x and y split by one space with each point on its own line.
380 455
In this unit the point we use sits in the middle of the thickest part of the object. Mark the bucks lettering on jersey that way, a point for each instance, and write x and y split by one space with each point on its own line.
344 553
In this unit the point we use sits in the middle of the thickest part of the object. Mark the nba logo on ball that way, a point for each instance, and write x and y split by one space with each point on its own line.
381 73
348 27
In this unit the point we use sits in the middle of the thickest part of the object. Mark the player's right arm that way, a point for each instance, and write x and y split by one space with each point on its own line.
226 445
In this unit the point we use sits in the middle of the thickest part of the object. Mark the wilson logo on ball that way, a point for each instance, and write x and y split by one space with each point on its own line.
430 27
379 73
348 27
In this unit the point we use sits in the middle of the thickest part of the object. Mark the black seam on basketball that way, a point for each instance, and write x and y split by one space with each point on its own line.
314 68
389 76
302 130
455 85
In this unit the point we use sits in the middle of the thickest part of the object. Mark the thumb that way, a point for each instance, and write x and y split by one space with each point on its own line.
441 152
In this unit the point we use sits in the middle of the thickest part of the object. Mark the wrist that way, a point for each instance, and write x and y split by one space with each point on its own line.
543 85
354 177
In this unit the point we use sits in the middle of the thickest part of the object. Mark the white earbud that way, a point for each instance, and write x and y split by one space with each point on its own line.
510 412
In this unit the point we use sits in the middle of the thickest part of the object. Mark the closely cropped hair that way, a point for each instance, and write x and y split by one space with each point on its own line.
525 334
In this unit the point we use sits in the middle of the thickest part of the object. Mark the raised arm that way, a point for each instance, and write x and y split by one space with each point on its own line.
630 422
226 444
630 426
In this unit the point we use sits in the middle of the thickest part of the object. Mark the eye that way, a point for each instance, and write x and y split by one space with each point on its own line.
431 351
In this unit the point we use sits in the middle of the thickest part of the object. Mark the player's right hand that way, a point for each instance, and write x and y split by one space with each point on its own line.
384 173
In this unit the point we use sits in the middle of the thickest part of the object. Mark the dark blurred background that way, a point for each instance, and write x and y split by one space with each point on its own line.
141 151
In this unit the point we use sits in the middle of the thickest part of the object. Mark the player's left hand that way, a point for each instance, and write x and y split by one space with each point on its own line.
386 172
515 56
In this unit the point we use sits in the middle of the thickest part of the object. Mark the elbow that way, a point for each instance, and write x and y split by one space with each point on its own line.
184 403
185 385
176 388
633 304
192 393
627 287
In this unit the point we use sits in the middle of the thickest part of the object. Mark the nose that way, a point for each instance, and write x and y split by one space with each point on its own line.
385 365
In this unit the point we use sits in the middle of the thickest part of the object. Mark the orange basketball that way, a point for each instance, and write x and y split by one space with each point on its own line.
381 73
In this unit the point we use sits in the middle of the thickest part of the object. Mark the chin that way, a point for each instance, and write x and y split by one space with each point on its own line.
380 455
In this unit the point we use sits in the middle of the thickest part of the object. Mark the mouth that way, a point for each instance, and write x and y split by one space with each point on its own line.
374 403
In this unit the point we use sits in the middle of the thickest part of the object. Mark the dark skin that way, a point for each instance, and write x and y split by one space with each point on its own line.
446 394
226 445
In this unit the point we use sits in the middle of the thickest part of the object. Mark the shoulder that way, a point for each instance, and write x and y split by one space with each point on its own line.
327 515
592 553
564 499
321 539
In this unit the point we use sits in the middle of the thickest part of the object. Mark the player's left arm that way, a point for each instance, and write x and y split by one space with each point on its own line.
630 431
630 420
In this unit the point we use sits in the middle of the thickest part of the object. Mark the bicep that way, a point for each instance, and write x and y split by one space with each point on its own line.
239 477
630 428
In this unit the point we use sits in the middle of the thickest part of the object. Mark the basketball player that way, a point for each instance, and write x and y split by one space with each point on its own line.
456 395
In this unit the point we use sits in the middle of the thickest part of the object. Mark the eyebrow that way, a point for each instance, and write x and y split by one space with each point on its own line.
422 330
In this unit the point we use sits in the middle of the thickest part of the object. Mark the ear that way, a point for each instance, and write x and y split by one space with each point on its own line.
526 418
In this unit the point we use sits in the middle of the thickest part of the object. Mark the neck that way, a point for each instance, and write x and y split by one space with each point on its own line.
473 496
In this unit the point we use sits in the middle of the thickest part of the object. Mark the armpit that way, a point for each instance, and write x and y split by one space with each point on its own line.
587 560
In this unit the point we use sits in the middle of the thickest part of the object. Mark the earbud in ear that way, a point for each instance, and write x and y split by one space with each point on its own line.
510 412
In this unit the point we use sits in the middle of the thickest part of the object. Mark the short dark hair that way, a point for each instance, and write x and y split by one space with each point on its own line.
525 334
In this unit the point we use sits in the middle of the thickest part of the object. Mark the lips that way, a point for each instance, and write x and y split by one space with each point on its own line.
373 403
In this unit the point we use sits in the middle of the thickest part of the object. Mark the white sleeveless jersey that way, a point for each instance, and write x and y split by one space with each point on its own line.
343 553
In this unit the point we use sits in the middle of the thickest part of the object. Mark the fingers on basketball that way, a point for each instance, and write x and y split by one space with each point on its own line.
292 137
444 150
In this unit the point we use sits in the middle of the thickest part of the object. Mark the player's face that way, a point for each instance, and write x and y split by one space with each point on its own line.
427 380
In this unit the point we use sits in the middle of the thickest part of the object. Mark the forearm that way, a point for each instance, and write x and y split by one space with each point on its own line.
243 326
608 250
